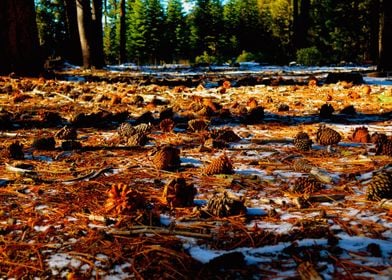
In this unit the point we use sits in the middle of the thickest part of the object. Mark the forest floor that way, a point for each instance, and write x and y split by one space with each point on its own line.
96 204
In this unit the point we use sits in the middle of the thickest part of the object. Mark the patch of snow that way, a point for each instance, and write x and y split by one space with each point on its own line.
41 228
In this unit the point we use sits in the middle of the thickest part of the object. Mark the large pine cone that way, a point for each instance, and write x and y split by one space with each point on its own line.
197 125
302 165
306 185
255 115
224 205
177 193
15 150
226 135
378 138
327 136
361 135
166 125
67 133
167 158
144 128
125 130
220 165
302 141
326 111
380 186
122 199
137 139
384 148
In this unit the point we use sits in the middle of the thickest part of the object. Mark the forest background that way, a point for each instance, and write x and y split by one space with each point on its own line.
94 33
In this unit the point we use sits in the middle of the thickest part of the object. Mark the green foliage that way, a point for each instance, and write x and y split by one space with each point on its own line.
137 31
246 57
50 17
177 34
205 58
309 56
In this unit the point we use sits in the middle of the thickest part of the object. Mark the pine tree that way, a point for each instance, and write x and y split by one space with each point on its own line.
137 31
176 35
154 29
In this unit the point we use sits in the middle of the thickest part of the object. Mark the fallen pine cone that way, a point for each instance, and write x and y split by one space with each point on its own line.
167 158
15 150
66 133
306 185
166 125
122 199
177 193
220 165
197 125
380 186
361 135
224 205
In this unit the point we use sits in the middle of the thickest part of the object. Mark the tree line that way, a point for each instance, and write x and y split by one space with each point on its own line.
93 33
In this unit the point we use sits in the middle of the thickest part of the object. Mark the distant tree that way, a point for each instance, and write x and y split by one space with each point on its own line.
385 40
206 23
176 35
72 51
154 30
19 45
122 32
51 22
90 32
137 31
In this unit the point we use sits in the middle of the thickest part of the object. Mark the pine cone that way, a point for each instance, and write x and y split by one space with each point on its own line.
361 135
384 148
15 150
378 138
137 139
122 199
197 125
125 130
166 125
44 143
306 185
327 136
227 135
220 165
224 205
326 111
179 194
167 158
144 128
66 133
302 165
255 115
380 186
302 141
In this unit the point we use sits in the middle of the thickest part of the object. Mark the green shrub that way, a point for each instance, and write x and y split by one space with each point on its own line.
309 56
245 57
205 58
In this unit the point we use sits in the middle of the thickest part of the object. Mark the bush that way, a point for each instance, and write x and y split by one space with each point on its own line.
309 56
205 58
245 57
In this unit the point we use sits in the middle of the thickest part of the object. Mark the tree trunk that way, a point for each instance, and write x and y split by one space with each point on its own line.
19 44
122 31
97 34
385 38
374 31
301 21
84 26
73 51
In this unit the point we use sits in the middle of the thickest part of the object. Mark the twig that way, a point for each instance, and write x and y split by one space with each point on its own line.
156 230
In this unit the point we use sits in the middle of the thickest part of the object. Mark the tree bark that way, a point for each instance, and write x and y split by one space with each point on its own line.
301 21
73 51
19 44
385 38
83 15
97 34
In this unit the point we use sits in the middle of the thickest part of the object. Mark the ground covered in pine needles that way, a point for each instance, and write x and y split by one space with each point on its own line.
119 180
